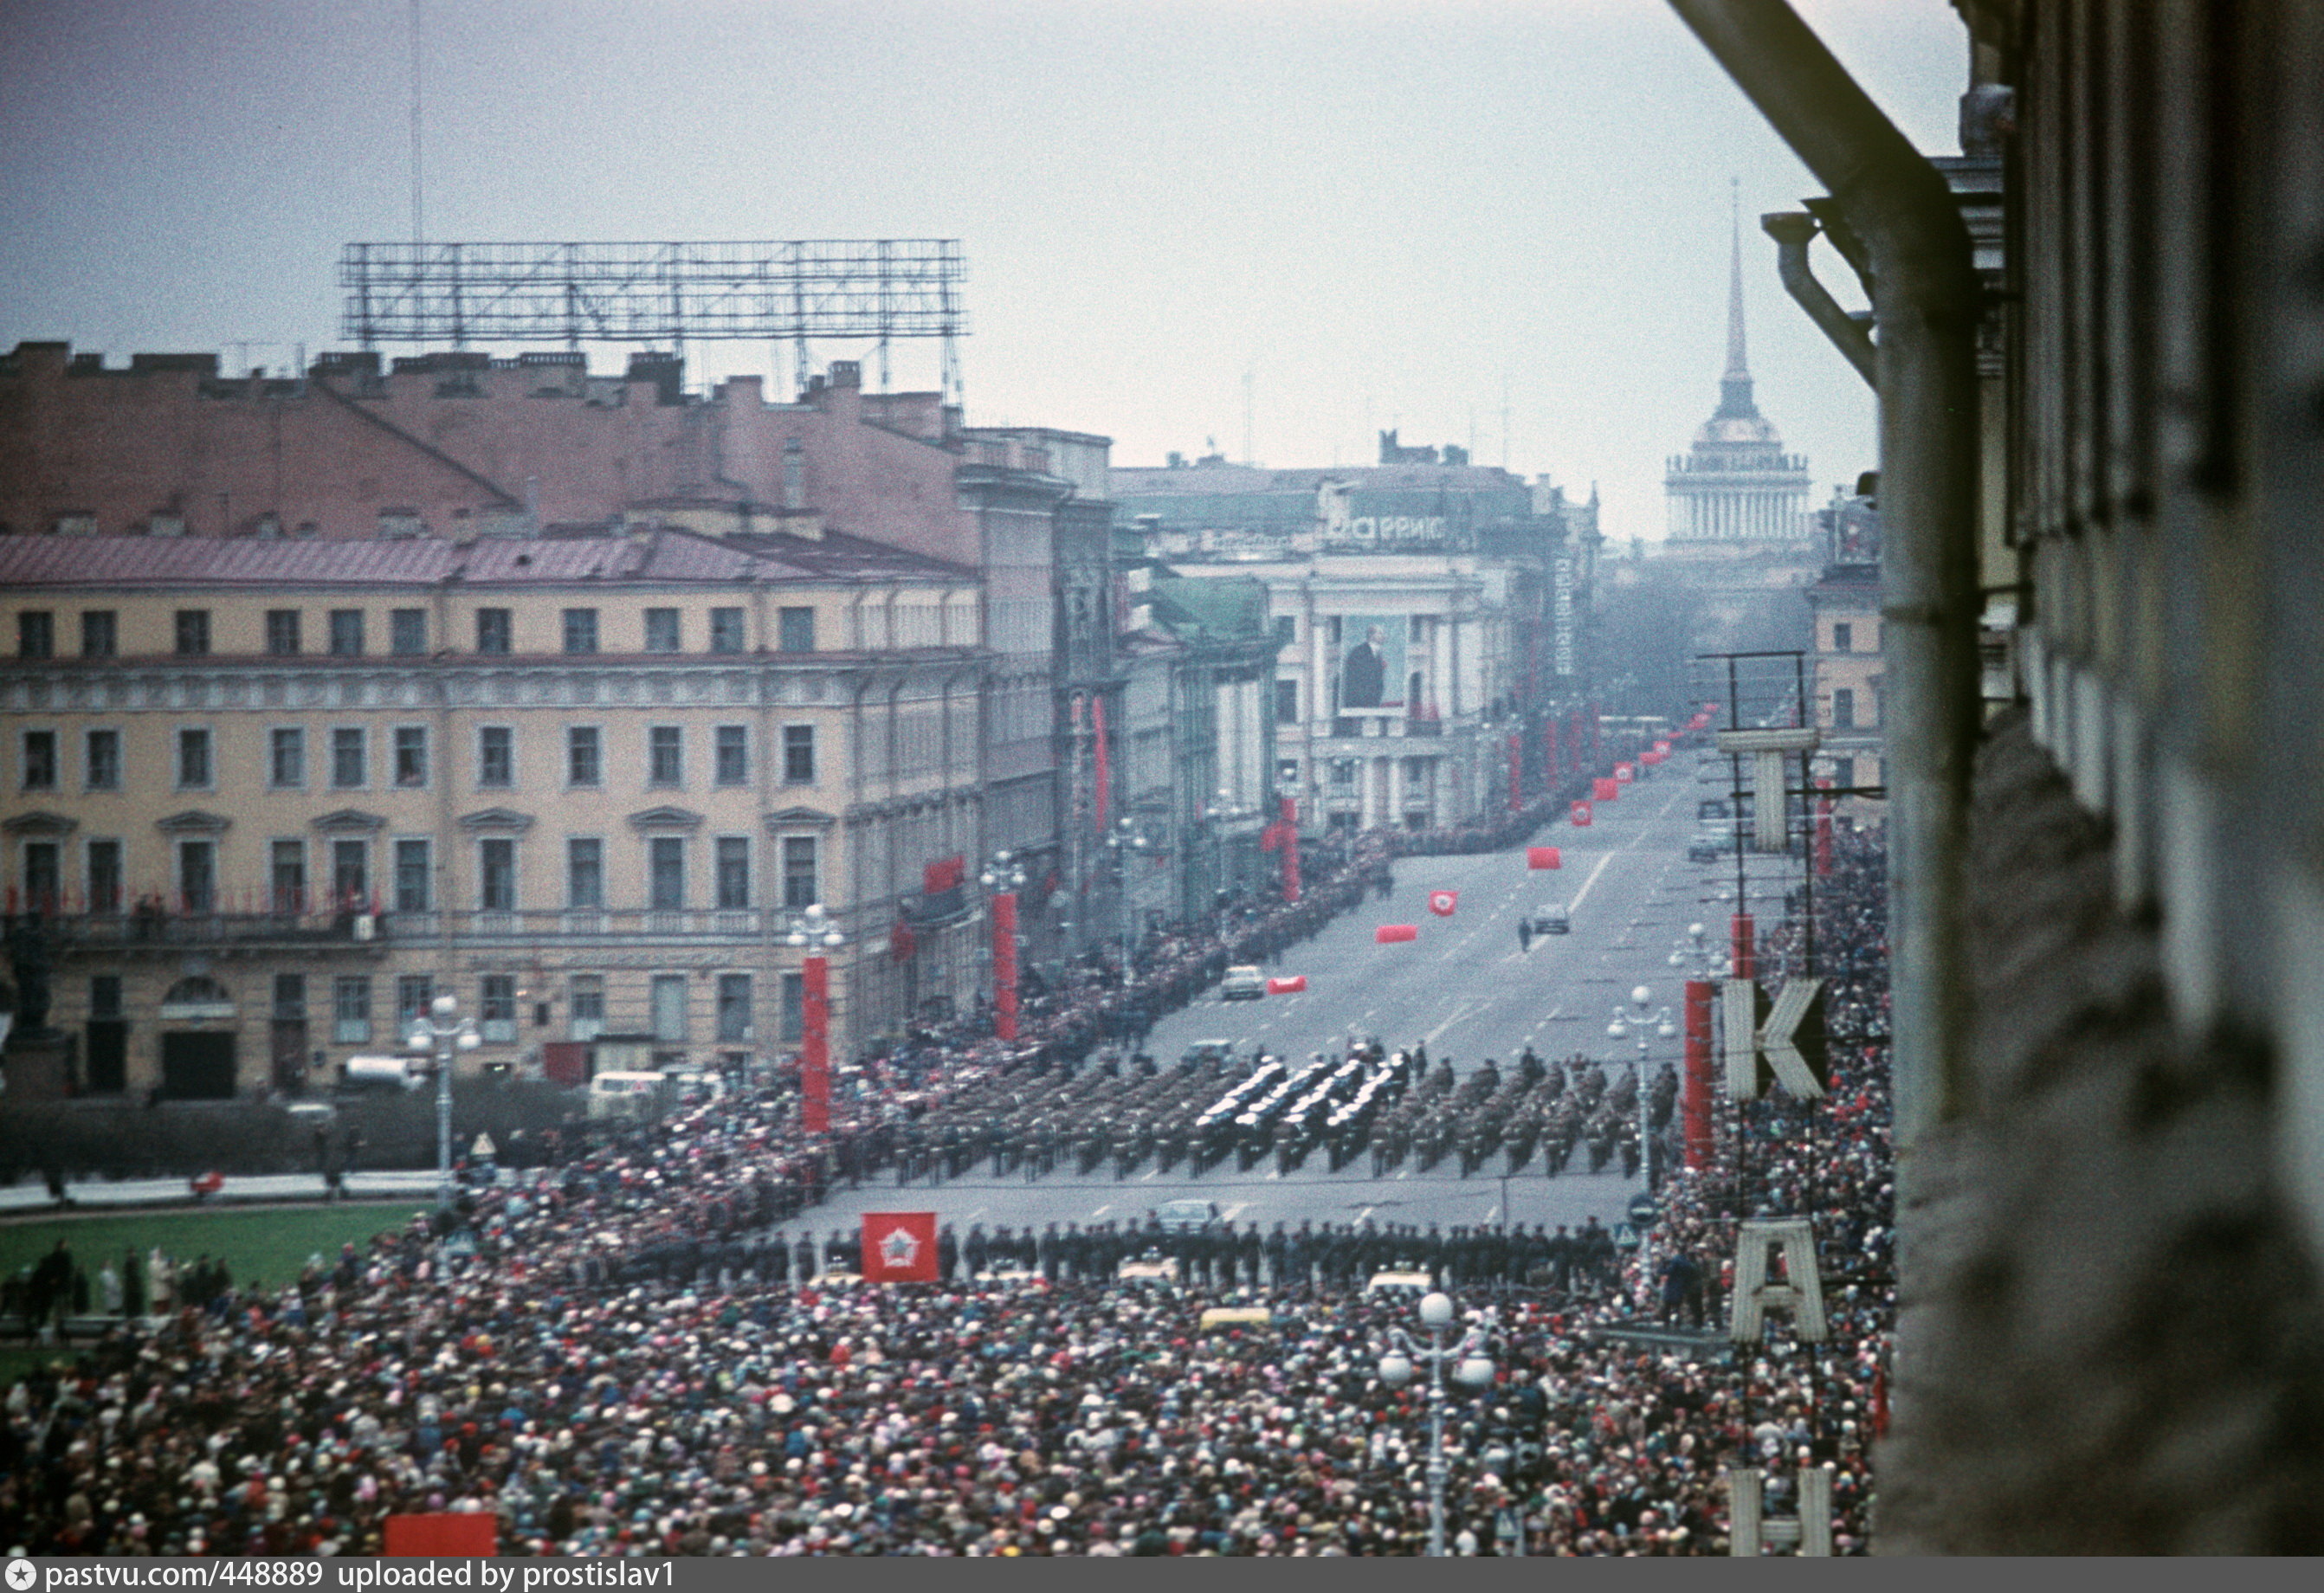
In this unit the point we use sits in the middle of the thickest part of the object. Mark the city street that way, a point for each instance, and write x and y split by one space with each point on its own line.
1463 989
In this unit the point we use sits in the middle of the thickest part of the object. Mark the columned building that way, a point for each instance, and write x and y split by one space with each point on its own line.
1736 490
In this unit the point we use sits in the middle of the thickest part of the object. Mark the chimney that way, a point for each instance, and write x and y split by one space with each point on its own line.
847 374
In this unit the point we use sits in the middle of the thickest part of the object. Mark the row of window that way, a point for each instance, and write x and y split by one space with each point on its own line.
348 749
668 1007
348 885
344 632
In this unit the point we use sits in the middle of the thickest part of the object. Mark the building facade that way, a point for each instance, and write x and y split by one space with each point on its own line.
1735 489
1844 603
265 798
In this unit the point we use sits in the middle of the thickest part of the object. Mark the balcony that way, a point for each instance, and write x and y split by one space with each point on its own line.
571 926
151 928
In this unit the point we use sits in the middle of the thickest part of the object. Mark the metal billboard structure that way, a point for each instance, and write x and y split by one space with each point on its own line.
865 289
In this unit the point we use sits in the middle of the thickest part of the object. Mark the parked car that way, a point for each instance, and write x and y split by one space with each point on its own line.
1210 1051
1243 982
1552 918
1709 845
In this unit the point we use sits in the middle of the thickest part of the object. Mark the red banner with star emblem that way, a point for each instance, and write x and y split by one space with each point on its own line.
1443 902
900 1247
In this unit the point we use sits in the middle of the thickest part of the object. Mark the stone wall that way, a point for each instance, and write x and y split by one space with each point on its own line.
2110 1339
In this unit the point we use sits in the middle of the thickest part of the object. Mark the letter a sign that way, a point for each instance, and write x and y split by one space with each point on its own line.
1781 1043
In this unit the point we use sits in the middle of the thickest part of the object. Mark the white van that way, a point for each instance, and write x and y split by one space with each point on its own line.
617 1094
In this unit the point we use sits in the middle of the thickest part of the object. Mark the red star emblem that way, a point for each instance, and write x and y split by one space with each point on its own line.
899 1250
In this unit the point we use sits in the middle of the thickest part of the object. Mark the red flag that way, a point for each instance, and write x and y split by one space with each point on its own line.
1604 790
1581 816
900 1247
1547 857
1388 934
1624 774
1103 758
944 875
902 942
1443 902
1290 986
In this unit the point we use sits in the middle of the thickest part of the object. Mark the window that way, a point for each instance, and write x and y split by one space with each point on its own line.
286 876
289 997
496 1008
492 631
795 630
734 862
193 760
496 875
351 1009
661 630
198 876
725 631
348 758
588 1006
413 878
351 876
1344 771
1286 772
666 871
799 754
282 633
407 632
346 634
105 997
580 630
99 634
286 759
734 749
40 768
495 758
585 873
104 894
1844 772
101 760
414 992
794 1007
1286 630
193 632
669 1006
412 755
800 889
45 876
734 1007
1286 702
583 766
1843 709
794 474
36 634
1843 637
664 765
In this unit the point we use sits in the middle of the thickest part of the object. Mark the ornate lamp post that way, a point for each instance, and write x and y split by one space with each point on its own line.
812 931
1619 1028
1127 841
441 1030
1472 1368
1004 877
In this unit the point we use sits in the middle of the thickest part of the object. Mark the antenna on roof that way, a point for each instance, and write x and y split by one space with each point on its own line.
418 230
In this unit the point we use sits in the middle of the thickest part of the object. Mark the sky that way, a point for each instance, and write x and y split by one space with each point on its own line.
1272 226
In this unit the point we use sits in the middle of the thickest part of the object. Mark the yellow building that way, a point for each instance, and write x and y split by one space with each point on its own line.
266 798
1845 605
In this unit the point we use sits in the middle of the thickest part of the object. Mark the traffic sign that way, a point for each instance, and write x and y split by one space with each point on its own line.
1626 1237
1644 1208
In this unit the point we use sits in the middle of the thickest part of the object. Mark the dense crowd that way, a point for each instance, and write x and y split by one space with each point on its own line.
637 1351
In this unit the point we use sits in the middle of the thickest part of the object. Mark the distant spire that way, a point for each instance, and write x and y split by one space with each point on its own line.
1735 386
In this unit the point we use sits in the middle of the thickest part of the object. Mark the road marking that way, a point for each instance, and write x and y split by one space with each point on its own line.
1235 1210
1575 905
1431 1037
1102 1211
1367 1210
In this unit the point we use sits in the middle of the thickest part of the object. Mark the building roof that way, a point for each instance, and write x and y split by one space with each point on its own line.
1198 480
660 555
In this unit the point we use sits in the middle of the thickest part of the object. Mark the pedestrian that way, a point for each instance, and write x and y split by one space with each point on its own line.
1524 934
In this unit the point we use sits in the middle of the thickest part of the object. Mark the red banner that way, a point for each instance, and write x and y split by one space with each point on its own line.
1104 762
1004 966
1605 790
1516 773
815 1044
1744 947
1701 1086
1388 934
1624 774
1290 985
1650 758
472 1534
944 875
1290 821
1823 827
902 942
1443 903
1545 857
1580 815
899 1247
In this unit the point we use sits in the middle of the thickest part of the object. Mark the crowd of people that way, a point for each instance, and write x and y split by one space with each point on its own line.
639 1352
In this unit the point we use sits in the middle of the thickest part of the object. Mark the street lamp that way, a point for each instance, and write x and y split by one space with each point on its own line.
442 1029
1472 1368
1004 877
1127 841
1619 1028
812 931
1221 811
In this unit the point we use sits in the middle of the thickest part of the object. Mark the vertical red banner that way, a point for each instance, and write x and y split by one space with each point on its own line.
1745 947
1699 1084
1290 821
1104 761
815 1044
1004 966
1516 773
1823 827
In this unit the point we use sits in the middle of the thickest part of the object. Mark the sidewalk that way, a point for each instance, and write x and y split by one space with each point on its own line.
30 1197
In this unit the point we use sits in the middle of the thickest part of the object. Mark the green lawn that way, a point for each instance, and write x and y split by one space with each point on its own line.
268 1245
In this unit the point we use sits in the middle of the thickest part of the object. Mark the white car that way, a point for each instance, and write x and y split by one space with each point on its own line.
1243 982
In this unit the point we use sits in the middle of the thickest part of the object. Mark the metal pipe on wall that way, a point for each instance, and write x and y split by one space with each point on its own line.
1925 307
1794 231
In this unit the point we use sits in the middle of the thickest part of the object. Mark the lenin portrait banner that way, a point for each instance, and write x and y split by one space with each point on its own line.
1373 662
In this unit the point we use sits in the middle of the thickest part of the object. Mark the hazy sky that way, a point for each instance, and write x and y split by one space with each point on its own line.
1385 214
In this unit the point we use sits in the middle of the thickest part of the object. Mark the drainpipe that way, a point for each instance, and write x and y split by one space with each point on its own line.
1794 231
1925 307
